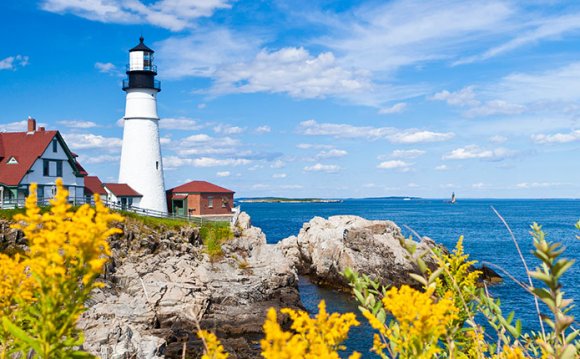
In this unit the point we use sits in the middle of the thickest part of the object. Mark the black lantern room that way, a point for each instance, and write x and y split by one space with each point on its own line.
141 71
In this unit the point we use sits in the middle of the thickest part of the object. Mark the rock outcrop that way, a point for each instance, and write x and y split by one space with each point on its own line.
161 286
324 248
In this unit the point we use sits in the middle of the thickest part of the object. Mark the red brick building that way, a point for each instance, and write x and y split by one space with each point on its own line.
200 198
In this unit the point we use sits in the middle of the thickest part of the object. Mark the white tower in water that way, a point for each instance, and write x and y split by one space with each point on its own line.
141 164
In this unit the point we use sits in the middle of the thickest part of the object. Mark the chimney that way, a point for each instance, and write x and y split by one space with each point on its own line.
41 129
31 124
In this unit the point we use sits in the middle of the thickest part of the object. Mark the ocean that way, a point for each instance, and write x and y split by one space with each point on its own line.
485 239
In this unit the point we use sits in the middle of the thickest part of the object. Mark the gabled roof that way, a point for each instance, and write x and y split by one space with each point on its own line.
199 187
26 148
80 169
122 190
94 185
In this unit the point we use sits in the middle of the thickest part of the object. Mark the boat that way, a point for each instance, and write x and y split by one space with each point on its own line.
453 199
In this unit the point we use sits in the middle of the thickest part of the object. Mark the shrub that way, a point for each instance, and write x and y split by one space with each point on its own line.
438 321
213 235
43 292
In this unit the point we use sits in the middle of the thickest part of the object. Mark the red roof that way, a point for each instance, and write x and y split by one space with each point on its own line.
94 185
25 148
122 190
199 187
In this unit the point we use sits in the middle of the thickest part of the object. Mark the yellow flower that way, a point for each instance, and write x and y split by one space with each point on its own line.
420 320
46 289
213 348
510 353
313 338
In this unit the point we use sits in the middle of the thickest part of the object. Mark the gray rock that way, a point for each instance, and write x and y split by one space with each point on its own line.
161 290
324 248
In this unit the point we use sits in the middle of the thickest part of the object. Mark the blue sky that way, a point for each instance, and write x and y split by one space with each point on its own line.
314 98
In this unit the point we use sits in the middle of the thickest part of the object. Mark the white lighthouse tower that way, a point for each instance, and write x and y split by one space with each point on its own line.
141 164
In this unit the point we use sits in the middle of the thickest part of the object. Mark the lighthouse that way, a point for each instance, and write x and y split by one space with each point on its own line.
141 164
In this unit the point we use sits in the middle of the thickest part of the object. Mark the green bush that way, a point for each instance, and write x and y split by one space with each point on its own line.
213 235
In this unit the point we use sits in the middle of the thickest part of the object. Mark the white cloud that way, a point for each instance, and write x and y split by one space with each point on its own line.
319 167
396 108
263 129
442 168
203 52
383 36
174 162
228 129
223 174
479 185
181 123
418 136
79 141
463 97
279 175
473 151
395 165
18 126
331 154
466 98
414 153
548 28
496 107
77 124
174 15
13 62
291 186
557 137
203 144
313 128
99 159
107 68
293 71
165 140
498 139
278 164
526 185
307 146
556 85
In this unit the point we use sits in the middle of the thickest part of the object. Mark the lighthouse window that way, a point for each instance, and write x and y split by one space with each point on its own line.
156 165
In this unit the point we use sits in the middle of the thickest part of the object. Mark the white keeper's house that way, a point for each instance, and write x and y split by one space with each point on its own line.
37 156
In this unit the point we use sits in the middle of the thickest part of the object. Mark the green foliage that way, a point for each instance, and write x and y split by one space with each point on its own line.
462 337
213 235
157 222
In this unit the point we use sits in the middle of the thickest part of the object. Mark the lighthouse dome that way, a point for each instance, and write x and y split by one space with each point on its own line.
141 46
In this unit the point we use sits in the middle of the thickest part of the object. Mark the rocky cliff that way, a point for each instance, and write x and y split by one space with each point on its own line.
324 248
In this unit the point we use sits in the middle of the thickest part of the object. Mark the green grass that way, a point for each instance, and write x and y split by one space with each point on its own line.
157 222
8 214
213 235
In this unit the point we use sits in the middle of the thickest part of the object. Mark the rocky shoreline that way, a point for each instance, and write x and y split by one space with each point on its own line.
161 286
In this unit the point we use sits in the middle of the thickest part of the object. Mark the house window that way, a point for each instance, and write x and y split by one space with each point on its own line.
210 202
45 168
59 169
12 161
54 145
51 170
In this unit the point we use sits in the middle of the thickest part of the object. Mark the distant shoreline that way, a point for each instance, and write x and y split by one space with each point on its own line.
288 200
